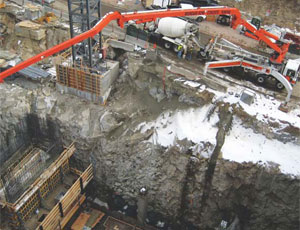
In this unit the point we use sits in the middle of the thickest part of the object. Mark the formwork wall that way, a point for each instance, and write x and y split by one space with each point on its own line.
86 84
30 200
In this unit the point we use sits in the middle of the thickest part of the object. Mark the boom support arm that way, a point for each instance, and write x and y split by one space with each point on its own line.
265 36
138 17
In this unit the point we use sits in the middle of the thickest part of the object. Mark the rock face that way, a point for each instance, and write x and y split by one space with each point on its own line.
27 38
13 125
181 185
253 194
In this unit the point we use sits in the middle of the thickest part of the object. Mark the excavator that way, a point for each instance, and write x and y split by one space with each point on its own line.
280 48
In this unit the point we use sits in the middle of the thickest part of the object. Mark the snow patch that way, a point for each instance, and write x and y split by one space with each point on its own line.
264 108
192 124
192 84
243 145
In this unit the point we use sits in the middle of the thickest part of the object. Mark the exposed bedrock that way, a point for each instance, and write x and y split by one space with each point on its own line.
182 186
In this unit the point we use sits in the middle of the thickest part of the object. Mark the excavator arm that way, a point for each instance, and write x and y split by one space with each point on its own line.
138 17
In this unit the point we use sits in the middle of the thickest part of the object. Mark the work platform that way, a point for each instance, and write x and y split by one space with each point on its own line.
52 199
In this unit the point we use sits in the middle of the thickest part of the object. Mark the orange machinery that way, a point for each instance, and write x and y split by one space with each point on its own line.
148 16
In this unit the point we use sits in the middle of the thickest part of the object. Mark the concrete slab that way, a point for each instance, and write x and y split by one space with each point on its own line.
122 45
183 72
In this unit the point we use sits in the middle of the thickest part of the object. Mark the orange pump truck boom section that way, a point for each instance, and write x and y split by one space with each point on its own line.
143 17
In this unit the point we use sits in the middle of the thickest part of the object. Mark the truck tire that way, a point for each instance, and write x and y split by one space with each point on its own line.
202 54
227 70
175 48
279 85
199 19
261 78
167 45
223 21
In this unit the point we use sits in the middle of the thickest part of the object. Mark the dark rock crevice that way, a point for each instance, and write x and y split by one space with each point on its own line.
224 126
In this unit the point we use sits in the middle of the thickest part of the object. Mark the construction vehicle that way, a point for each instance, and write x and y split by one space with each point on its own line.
197 18
176 32
201 3
152 4
255 21
2 4
280 48
227 55
294 47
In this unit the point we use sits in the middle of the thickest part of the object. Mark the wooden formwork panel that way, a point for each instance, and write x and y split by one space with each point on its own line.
25 206
59 215
65 166
11 164
29 207
31 199
50 173
81 79
113 223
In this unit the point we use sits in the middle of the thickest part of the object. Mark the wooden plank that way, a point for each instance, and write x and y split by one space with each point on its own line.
80 221
74 208
95 218
75 171
52 219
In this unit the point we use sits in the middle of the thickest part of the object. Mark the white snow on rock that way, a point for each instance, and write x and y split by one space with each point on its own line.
192 84
191 124
243 145
267 108
264 108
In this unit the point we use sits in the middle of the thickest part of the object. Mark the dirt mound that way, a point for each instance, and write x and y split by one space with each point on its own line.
283 13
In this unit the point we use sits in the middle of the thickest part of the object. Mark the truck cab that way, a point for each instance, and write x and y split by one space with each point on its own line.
291 71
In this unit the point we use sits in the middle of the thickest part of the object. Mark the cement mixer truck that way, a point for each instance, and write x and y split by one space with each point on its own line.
176 32
169 32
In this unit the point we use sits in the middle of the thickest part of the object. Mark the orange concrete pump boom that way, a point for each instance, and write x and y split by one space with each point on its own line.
142 17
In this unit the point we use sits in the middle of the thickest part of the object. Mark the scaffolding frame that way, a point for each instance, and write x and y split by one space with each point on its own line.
84 13
31 199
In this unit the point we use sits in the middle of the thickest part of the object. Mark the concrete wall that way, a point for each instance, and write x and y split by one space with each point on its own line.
109 76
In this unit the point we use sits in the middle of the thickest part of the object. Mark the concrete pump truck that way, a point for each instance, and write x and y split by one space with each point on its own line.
284 71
